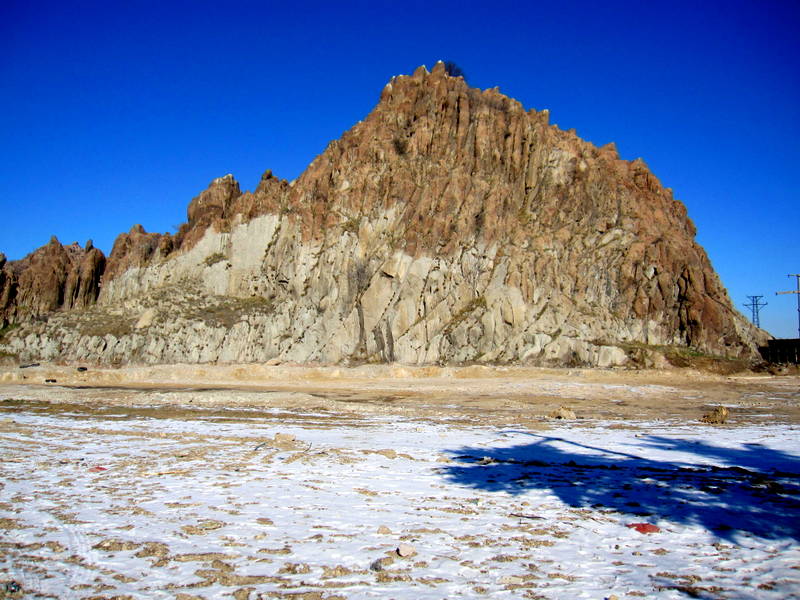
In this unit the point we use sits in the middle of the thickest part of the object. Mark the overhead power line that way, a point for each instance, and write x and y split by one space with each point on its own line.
797 291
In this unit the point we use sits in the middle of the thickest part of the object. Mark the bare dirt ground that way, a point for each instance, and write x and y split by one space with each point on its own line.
494 393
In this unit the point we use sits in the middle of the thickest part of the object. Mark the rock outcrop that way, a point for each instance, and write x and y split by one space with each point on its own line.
54 277
450 226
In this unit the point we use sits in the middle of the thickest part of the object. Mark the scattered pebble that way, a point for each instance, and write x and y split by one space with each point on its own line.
376 566
563 413
718 416
405 550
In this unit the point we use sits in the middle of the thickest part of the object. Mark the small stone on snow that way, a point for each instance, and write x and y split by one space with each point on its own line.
405 550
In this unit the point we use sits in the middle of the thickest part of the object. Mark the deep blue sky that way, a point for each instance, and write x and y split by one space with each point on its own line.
115 113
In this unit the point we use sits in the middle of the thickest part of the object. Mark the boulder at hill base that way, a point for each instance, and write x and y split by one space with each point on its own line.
450 226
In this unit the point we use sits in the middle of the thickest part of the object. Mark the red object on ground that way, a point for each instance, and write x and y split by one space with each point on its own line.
644 527
98 469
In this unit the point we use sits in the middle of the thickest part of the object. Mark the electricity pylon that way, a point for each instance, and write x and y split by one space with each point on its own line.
755 306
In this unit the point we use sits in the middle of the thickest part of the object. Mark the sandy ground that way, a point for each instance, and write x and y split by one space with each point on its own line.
253 482
494 393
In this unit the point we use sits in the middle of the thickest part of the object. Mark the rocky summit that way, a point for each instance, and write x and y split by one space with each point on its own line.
450 226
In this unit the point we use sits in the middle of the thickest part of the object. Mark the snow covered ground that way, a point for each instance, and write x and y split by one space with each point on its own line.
298 504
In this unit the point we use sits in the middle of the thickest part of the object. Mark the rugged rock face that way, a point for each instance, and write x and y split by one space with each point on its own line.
51 278
449 226
137 248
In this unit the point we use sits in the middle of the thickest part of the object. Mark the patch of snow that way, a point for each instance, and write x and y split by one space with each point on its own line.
207 505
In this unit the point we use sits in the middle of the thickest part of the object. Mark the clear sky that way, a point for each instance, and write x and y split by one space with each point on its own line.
116 113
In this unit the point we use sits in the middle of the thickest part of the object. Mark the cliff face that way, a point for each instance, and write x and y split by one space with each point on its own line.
449 226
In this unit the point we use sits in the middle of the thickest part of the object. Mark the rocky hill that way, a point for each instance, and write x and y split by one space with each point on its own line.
450 226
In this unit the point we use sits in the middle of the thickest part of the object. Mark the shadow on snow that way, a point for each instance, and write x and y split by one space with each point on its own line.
757 493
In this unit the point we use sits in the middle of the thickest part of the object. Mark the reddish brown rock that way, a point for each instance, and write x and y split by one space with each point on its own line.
136 248
51 278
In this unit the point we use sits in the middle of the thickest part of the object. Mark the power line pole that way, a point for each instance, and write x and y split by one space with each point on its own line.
797 291
755 306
